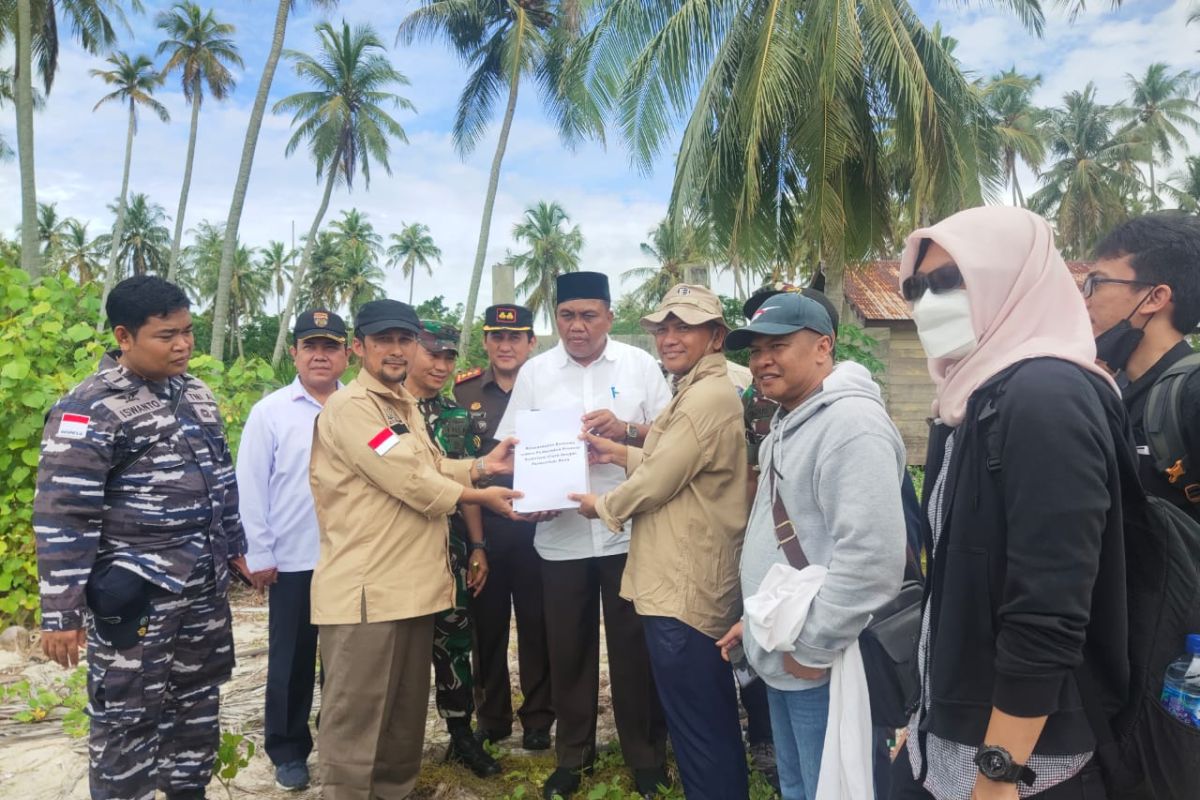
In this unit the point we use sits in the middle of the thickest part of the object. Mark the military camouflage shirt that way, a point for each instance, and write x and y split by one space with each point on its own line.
757 414
134 472
448 425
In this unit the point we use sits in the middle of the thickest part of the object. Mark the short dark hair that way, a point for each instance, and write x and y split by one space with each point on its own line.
528 334
134 300
1163 248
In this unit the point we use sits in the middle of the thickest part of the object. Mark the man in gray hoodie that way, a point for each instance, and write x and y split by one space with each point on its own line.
837 462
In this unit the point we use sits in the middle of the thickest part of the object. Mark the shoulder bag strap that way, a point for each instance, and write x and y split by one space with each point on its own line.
785 529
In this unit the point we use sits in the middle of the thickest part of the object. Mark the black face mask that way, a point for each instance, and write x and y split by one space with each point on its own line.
1117 344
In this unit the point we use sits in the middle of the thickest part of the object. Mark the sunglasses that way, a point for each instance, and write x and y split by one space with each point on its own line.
1093 280
939 281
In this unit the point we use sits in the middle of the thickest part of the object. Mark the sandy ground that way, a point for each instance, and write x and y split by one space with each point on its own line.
38 761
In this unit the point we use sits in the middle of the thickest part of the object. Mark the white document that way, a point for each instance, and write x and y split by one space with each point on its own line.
550 461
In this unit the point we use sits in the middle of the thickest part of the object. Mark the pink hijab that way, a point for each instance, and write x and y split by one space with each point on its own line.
1024 302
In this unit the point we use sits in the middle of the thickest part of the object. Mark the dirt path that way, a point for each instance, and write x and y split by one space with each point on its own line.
39 761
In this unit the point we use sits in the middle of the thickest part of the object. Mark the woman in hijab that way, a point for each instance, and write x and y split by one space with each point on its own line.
1026 578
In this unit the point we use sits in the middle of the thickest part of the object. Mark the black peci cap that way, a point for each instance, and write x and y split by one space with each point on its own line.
319 323
508 318
382 315
582 286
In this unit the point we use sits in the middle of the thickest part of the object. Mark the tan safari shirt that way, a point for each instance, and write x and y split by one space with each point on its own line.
687 489
383 492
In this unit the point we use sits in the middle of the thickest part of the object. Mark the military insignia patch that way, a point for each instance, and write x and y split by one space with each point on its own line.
476 405
73 426
506 315
321 318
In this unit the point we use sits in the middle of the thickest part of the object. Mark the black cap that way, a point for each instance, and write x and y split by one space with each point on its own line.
382 315
120 604
508 318
765 293
319 323
582 286
784 314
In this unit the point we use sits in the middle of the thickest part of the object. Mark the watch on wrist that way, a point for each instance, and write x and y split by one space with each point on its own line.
482 471
631 432
479 546
996 764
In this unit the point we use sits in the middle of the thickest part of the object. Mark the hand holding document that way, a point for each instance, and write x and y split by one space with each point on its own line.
550 461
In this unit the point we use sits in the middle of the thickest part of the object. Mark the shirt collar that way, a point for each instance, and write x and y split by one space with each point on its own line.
373 384
564 358
299 392
122 378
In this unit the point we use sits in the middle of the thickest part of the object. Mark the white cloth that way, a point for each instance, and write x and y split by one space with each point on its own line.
274 496
625 380
774 617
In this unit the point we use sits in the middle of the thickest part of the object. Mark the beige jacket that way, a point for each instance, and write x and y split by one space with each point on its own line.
383 493
687 488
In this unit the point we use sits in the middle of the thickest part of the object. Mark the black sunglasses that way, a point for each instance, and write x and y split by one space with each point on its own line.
938 281
1093 280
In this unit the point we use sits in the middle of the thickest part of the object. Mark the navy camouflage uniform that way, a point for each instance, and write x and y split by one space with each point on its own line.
448 426
137 475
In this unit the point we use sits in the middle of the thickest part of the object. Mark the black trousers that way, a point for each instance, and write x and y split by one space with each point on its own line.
575 591
291 668
758 712
514 582
1084 786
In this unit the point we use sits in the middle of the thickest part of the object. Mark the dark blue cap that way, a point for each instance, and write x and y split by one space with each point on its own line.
781 315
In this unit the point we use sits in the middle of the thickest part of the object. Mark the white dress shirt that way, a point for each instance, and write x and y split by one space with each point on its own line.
624 380
274 496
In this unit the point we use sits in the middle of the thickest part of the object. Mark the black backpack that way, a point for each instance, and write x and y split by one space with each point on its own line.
1144 752
1164 428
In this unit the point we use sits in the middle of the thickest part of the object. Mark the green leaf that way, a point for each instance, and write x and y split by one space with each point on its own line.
80 332
17 369
30 456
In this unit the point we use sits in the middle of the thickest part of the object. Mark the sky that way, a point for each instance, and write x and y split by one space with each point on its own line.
79 152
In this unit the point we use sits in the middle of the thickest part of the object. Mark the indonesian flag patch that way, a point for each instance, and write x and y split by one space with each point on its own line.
73 426
383 441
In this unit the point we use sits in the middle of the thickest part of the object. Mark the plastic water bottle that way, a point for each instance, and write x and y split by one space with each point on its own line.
1181 689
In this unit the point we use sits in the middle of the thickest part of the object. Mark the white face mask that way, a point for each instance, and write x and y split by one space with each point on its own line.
944 324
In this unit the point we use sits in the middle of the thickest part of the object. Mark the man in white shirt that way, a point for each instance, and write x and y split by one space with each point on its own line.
281 532
618 391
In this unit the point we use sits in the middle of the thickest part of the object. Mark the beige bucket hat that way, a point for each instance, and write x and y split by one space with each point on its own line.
693 304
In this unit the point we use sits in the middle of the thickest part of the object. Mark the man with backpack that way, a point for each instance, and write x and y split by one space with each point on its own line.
1143 298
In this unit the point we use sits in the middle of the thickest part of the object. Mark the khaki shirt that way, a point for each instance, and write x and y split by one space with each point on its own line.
383 493
687 490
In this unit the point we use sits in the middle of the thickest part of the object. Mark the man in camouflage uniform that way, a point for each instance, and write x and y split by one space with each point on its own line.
448 424
136 520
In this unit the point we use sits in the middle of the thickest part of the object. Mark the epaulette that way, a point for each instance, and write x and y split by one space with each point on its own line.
463 377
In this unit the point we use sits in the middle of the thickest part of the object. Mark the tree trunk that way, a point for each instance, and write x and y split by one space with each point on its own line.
31 257
229 248
173 266
240 335
305 259
110 277
485 224
1153 195
412 282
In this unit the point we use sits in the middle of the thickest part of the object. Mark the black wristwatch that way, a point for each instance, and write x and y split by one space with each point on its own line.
996 764
479 546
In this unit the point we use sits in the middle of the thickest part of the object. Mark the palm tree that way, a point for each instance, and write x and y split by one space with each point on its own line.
501 42
552 251
413 247
51 228
320 287
1184 185
78 254
1162 103
1084 189
789 107
1016 124
35 24
242 184
135 80
342 120
200 268
358 275
353 229
144 241
675 247
202 49
278 259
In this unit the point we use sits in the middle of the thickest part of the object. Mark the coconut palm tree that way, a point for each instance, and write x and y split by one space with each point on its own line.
200 267
278 259
789 104
358 276
135 80
242 184
202 50
675 247
1162 107
502 43
1083 190
34 25
1016 124
1184 185
51 228
320 289
144 240
553 250
78 253
354 229
413 247
343 120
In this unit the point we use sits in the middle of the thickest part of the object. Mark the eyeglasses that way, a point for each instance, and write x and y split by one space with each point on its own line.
1093 280
938 281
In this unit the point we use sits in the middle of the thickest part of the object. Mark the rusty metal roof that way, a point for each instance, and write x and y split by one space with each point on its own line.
873 289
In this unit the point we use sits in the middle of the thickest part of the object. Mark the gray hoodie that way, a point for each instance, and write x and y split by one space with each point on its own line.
840 462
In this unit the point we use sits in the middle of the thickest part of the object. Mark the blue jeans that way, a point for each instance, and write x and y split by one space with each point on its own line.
798 721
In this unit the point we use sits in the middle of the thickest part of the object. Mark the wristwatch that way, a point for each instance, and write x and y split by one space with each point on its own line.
481 469
631 432
996 764
479 546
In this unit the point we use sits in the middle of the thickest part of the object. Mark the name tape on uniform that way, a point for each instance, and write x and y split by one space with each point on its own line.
73 426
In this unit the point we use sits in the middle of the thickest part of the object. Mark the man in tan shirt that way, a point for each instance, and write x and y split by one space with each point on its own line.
685 488
383 493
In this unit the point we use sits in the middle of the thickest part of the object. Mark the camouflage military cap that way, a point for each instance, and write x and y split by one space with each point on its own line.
438 337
